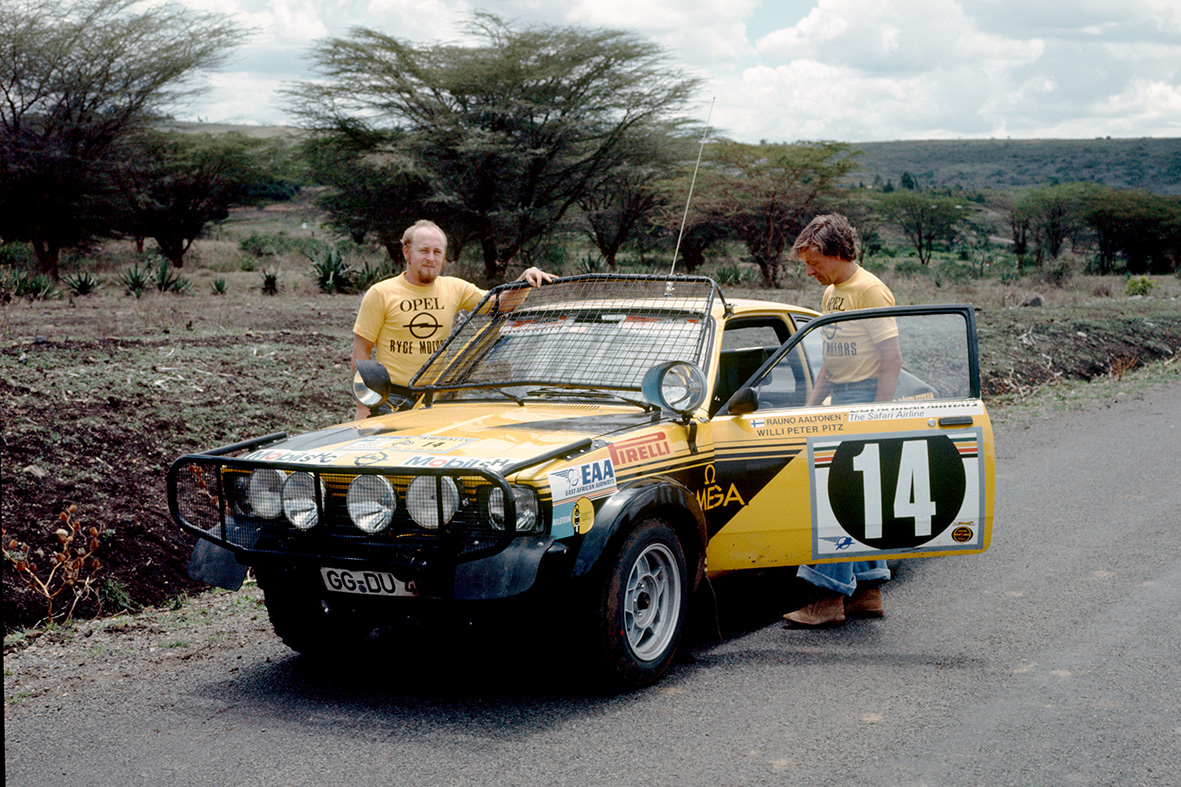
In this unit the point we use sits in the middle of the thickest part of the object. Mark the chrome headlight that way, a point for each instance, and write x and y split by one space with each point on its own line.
299 500
371 503
429 497
525 501
266 492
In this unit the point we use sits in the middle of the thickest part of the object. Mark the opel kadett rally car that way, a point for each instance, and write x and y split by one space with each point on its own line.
608 443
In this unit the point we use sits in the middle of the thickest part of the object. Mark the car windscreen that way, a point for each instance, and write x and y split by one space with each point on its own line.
589 332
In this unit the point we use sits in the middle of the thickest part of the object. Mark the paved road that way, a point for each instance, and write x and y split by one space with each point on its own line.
1052 659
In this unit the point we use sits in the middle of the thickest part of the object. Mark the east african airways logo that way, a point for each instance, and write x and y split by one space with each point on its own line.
593 479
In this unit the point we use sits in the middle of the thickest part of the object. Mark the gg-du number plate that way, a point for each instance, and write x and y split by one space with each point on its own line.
366 583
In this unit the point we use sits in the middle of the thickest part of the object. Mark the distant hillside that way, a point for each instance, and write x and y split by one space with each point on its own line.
1150 164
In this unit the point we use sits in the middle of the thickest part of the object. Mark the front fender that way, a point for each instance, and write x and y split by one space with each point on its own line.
653 496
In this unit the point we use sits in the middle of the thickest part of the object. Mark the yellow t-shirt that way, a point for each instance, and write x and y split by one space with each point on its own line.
407 323
850 351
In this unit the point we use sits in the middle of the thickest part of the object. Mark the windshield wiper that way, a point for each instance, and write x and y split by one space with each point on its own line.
580 393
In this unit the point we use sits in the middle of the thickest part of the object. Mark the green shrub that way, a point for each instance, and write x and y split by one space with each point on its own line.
16 255
1139 285
270 281
218 286
264 245
731 274
168 280
332 273
135 280
910 267
369 274
84 283
20 284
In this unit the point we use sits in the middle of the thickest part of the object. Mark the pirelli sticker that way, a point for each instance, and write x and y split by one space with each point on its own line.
890 494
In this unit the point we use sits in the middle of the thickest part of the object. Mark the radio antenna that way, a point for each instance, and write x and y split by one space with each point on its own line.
692 183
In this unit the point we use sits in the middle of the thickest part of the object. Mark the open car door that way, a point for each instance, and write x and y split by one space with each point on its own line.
910 476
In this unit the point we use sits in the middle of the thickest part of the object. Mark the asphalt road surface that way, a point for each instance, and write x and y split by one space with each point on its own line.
1052 659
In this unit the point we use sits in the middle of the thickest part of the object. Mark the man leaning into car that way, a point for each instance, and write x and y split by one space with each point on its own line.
861 363
407 317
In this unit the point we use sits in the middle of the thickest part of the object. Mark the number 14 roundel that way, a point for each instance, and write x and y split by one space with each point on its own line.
896 493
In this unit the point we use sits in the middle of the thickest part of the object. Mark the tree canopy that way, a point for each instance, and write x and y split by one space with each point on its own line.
507 132
77 80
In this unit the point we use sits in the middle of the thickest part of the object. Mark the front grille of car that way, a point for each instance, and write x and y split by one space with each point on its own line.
210 496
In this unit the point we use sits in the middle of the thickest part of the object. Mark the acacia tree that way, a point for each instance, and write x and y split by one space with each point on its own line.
632 192
764 195
509 132
923 218
77 79
174 185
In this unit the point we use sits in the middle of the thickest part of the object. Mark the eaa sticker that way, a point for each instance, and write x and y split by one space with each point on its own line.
592 479
896 493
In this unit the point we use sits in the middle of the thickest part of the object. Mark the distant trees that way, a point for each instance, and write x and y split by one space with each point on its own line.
174 185
79 80
923 217
507 134
1143 228
764 195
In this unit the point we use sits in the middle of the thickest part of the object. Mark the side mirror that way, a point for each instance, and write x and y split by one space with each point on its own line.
744 401
372 387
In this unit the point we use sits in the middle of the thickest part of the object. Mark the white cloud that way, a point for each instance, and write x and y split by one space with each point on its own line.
855 70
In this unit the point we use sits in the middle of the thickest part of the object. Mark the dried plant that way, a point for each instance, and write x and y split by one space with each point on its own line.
70 566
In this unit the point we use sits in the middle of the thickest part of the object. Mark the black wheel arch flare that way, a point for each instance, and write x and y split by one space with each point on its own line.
652 496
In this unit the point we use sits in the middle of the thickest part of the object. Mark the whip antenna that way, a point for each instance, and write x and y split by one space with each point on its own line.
692 183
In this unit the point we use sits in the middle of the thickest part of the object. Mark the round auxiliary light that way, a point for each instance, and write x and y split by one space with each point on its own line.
299 500
426 495
677 385
371 503
266 492
525 502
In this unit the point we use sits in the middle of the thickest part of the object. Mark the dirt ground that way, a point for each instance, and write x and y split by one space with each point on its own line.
99 395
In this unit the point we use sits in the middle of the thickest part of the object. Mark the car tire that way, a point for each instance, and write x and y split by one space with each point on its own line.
642 606
306 617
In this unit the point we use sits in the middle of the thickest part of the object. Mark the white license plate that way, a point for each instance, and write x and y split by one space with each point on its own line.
367 583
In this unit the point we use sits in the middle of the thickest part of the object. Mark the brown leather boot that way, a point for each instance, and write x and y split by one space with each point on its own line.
827 610
866 602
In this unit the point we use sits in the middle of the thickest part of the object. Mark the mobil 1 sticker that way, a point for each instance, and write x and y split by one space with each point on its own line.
896 492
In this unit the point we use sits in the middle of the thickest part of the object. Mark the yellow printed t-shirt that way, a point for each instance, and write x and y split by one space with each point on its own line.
407 323
850 352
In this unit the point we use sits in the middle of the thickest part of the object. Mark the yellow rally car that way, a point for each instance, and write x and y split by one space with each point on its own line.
609 442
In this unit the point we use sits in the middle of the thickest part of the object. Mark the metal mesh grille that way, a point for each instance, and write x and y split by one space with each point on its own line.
596 331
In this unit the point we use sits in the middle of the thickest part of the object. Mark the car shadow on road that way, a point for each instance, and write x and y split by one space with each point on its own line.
463 678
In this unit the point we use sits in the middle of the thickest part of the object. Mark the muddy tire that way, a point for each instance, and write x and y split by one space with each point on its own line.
642 607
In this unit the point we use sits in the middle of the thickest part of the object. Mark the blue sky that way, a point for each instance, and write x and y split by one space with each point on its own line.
785 70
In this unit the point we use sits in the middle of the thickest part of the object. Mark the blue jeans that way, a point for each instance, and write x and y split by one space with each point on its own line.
842 577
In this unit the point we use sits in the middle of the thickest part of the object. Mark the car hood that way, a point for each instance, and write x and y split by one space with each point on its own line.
457 435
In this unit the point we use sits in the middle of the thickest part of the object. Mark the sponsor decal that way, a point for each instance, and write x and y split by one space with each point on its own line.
583 516
294 457
453 462
712 495
592 479
883 412
962 534
641 449
419 444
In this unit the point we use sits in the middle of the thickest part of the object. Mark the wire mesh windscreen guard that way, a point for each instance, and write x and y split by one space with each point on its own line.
592 331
